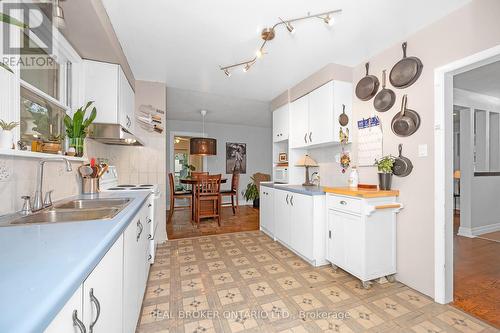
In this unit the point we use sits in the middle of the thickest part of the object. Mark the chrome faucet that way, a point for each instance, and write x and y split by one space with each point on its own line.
38 203
315 178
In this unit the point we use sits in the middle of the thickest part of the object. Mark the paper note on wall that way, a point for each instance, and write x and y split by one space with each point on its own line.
370 141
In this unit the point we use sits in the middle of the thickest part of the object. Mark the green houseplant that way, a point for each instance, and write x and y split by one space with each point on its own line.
77 127
6 135
252 193
384 166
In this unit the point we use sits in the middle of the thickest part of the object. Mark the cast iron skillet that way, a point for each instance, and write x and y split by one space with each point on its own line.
406 71
385 98
406 122
402 165
367 87
343 118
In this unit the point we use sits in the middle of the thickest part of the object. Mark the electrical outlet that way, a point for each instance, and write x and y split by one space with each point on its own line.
422 150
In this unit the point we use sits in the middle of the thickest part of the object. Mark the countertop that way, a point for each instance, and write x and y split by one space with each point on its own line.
41 266
361 193
307 190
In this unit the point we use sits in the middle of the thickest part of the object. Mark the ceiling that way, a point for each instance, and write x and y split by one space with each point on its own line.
483 80
186 105
182 43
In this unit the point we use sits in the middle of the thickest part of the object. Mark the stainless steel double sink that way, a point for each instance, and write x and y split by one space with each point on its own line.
75 210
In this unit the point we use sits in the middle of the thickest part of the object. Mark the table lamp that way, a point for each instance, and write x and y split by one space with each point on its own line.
307 162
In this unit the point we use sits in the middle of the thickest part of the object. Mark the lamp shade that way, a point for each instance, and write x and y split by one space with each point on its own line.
203 146
306 161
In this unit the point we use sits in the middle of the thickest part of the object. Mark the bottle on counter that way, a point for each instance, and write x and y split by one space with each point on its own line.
353 178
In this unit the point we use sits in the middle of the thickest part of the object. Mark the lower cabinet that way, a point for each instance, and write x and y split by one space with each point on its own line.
266 211
300 224
361 235
110 298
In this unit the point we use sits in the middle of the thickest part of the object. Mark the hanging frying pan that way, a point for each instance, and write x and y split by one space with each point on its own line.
385 98
406 122
406 71
402 165
367 87
343 118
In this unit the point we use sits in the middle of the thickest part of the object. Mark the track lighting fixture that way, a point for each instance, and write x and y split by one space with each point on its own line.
268 34
328 20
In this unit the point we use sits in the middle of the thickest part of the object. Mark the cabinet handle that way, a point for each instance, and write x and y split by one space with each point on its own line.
149 205
287 199
343 203
291 200
150 237
310 138
94 300
139 225
305 138
149 220
150 257
330 234
77 322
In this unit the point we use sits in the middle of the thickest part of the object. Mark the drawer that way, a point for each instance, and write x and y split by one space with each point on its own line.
346 204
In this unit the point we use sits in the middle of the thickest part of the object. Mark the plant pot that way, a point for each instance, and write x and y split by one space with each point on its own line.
77 143
6 138
384 181
256 203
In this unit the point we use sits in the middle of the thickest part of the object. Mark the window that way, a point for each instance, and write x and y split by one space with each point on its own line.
40 118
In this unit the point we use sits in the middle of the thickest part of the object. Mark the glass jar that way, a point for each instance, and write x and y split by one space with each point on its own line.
77 143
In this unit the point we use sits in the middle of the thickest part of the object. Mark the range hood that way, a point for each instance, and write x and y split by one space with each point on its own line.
113 134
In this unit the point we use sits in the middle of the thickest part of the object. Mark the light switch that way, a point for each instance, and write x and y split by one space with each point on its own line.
422 150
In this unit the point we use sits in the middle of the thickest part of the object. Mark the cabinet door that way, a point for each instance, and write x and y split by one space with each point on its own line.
299 122
267 209
302 224
354 244
280 123
282 216
329 237
144 253
63 322
102 293
321 115
101 86
338 241
131 274
126 102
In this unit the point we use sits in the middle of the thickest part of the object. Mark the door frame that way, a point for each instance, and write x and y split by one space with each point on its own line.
443 167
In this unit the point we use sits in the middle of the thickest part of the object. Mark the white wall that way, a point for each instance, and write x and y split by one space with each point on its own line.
480 212
257 139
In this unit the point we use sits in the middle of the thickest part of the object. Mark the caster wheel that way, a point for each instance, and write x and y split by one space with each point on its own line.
366 284
335 268
391 278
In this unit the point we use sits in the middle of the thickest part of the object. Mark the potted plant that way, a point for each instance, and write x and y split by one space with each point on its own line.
6 135
76 127
384 166
252 193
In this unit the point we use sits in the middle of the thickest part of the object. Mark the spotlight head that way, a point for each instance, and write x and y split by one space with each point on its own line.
329 20
227 72
259 53
290 27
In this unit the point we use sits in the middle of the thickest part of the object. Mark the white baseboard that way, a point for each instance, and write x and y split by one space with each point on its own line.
477 231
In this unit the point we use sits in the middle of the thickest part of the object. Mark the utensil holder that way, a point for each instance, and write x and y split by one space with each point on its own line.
90 185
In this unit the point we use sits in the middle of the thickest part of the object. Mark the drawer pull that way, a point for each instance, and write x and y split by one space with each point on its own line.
287 199
343 203
140 226
330 234
291 200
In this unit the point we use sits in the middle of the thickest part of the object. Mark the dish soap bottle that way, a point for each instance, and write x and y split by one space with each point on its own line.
353 178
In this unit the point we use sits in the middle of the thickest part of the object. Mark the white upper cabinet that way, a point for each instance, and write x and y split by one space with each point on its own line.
280 124
299 122
108 87
315 116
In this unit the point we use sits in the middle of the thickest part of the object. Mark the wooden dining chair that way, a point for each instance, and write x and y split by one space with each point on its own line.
233 192
178 195
198 174
208 198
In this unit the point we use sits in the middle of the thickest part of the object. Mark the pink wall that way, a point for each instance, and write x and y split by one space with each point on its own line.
472 28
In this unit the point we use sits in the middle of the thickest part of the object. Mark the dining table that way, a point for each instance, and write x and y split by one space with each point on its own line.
194 181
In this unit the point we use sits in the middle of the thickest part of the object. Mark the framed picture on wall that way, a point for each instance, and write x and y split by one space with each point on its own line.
236 157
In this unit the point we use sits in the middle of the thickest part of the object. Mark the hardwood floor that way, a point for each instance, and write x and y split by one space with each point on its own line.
246 219
477 276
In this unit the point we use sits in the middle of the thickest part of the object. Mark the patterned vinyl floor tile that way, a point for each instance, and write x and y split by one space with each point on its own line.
246 282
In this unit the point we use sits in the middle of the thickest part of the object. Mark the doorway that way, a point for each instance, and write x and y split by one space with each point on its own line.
467 161
184 162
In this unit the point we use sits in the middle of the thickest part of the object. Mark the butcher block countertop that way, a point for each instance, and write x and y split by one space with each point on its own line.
361 193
